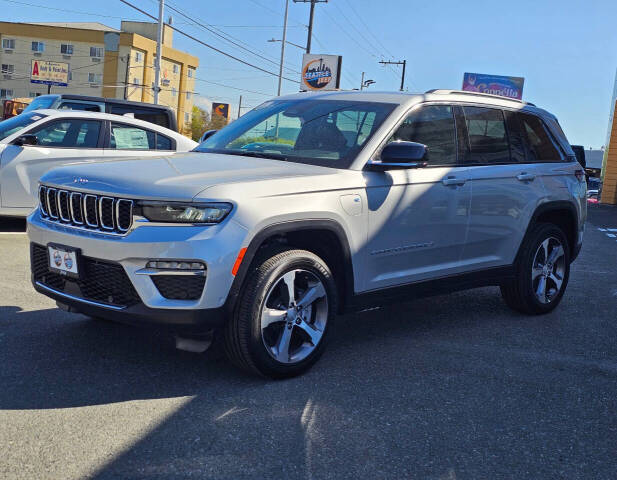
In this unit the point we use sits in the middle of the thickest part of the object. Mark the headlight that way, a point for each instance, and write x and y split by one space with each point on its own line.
185 212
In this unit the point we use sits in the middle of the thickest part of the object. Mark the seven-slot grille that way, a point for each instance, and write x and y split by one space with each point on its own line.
86 210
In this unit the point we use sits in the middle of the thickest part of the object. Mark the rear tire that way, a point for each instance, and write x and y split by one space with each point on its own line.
542 270
283 314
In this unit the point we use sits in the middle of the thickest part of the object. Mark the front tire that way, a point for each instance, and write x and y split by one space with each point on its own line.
542 271
283 314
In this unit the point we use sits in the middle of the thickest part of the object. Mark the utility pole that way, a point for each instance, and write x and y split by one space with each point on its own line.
283 42
404 64
240 106
159 52
311 17
362 82
126 76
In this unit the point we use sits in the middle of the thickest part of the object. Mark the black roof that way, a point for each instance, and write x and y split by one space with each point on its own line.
117 101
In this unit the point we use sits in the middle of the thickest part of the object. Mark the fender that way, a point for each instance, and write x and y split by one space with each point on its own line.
551 206
287 227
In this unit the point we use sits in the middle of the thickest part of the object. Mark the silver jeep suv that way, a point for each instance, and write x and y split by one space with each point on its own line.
312 205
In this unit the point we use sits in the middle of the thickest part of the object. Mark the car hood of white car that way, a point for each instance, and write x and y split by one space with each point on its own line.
178 177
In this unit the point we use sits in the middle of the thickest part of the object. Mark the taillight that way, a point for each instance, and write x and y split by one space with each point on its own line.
580 175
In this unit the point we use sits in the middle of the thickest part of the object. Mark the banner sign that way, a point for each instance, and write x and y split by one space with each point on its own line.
220 109
321 72
49 73
494 84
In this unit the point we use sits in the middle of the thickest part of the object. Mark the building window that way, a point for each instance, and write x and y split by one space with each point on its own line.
9 69
176 68
66 49
188 95
38 46
186 117
33 95
95 78
191 72
139 57
96 51
70 76
6 93
8 43
136 81
174 92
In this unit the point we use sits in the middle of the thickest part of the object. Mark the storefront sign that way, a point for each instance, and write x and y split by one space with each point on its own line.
49 73
511 87
321 72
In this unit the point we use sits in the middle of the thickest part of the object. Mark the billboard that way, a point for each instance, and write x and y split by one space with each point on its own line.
220 109
494 84
49 73
321 72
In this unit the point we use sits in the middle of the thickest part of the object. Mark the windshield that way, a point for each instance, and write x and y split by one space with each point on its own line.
41 102
14 124
318 132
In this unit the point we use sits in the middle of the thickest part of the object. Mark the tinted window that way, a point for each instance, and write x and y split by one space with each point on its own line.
310 130
486 131
163 142
540 146
156 116
516 137
72 133
434 127
87 107
128 137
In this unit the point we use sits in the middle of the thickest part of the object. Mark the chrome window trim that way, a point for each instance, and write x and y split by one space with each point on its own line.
85 207
80 202
49 210
102 223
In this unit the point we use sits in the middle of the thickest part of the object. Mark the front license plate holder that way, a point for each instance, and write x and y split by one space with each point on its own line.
64 260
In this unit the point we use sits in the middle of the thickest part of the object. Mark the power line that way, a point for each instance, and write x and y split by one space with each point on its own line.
224 36
208 45
63 9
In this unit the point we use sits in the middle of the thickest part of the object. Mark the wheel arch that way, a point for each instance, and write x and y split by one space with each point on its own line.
561 213
324 237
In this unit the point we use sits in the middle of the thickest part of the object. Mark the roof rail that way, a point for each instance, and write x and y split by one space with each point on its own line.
440 91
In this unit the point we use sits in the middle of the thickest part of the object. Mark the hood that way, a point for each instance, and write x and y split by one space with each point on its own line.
181 176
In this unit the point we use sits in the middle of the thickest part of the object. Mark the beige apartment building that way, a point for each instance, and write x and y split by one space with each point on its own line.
103 61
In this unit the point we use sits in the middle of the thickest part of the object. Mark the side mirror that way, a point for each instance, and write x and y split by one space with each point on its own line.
25 140
579 151
207 135
399 155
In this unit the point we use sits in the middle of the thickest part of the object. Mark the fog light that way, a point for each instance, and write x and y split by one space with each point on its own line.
174 265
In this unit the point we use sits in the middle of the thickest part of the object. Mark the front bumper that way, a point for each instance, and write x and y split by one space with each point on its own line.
179 321
215 246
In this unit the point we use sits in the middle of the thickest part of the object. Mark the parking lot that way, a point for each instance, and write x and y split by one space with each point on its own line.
449 387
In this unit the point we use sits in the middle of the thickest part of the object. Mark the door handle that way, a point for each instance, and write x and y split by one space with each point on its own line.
526 177
448 181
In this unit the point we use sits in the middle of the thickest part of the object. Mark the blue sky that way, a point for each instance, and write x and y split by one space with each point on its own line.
565 49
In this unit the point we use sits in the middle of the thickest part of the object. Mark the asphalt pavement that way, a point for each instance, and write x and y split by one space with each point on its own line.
449 387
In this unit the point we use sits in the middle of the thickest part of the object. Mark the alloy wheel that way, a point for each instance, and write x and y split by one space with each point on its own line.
548 270
294 316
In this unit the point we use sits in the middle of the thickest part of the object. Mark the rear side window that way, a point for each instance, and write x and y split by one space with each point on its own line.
516 137
486 132
540 145
433 126
85 107
128 137
152 115
163 143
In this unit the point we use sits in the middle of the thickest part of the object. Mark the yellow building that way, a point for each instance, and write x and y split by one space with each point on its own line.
103 61
609 170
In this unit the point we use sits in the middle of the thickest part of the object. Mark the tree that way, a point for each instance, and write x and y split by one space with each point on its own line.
199 123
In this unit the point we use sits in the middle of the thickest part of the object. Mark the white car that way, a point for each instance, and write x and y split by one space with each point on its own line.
34 142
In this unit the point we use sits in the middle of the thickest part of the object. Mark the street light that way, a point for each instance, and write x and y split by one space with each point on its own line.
366 83
288 43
